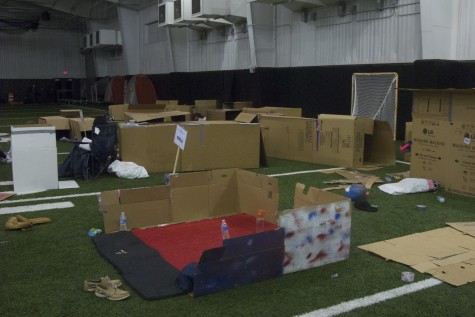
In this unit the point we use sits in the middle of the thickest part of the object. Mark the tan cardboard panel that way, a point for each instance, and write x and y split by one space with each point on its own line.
190 203
465 227
152 116
190 179
445 253
276 111
78 127
70 113
313 196
60 123
128 196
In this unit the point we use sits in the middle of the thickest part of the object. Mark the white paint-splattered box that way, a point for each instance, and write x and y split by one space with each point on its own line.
317 229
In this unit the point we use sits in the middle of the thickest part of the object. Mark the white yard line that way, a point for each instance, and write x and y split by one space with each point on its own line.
372 299
19 209
46 198
403 162
306 172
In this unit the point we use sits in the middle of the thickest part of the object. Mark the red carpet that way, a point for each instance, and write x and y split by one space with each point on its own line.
182 243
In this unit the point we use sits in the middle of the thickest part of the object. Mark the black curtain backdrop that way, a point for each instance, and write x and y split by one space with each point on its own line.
316 89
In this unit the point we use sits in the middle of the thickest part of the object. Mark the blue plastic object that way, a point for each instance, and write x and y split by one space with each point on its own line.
356 191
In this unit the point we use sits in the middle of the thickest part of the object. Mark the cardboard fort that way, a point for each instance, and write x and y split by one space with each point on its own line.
239 105
118 111
209 145
60 123
80 127
315 232
278 111
291 138
35 164
353 142
446 253
222 114
443 146
156 117
70 113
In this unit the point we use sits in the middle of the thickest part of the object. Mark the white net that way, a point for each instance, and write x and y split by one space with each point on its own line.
374 96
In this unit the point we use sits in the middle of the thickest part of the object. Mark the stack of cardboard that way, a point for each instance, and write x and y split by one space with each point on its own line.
443 138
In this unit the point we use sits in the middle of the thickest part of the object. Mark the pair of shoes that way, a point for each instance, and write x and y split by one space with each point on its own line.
91 284
20 222
106 288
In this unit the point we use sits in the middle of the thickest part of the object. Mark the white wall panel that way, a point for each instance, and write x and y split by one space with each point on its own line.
391 35
465 46
43 54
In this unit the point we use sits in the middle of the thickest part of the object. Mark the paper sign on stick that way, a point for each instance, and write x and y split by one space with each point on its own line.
180 137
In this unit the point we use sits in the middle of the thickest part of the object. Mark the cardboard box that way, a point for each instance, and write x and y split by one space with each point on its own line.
445 104
353 142
407 138
461 158
156 117
60 123
35 158
278 111
209 145
79 128
70 113
429 151
239 105
201 106
291 138
317 229
166 102
222 114
118 111
323 216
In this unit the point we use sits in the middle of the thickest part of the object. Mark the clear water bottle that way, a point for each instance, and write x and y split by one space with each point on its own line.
260 222
224 229
99 201
122 222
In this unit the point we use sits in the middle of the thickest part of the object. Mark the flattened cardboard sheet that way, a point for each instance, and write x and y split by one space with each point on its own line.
446 253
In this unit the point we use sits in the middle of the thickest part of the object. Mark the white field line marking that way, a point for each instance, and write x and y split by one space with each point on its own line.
402 162
6 183
14 210
372 299
306 172
47 198
63 153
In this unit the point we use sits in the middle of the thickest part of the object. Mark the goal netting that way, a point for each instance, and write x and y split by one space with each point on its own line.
374 96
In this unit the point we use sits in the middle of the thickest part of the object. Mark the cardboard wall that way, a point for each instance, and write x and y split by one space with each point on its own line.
209 145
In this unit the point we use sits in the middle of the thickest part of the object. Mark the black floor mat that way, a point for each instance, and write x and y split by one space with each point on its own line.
142 267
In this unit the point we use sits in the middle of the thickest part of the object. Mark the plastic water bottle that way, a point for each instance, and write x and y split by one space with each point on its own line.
99 201
260 220
224 229
122 222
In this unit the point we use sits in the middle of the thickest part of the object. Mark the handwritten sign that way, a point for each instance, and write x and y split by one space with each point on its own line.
180 137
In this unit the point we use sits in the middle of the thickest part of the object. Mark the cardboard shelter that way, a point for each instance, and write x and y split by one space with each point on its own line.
221 114
318 225
353 142
446 253
443 146
118 111
277 111
209 145
80 127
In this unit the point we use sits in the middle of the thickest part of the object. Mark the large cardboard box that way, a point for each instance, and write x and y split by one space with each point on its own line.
156 117
461 158
353 142
291 138
239 105
118 111
445 104
60 123
70 113
278 111
429 151
209 145
222 114
166 102
201 106
80 127
35 158
315 232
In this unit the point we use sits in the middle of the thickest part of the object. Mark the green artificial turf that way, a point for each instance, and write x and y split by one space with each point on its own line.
42 269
